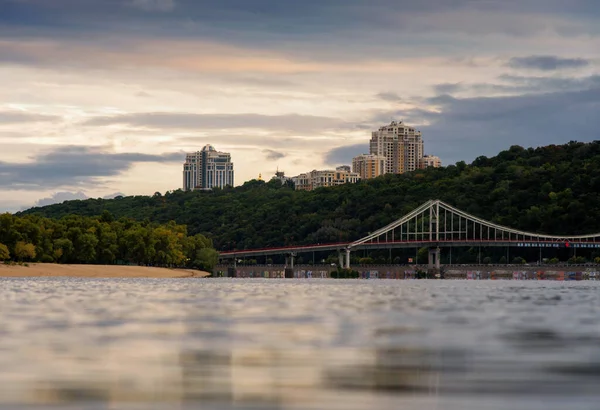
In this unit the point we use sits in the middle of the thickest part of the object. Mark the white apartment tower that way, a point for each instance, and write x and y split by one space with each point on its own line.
207 169
400 144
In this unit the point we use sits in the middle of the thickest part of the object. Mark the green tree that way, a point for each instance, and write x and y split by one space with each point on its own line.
24 251
63 249
206 259
4 252
423 256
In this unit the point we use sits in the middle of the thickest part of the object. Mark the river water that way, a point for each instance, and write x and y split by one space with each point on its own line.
298 344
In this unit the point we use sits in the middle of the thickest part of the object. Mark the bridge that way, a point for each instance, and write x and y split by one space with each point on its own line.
434 225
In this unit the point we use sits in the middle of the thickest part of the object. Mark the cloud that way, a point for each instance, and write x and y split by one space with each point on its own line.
161 120
464 128
273 155
15 117
113 195
325 30
519 85
389 96
448 88
547 63
154 5
553 83
60 197
344 155
73 166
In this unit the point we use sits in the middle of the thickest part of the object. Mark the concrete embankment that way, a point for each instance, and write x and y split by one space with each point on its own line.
501 272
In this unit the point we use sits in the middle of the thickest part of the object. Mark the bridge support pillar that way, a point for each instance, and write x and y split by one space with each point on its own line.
289 261
341 259
434 258
347 259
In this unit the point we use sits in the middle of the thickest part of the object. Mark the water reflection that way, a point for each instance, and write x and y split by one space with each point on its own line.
241 344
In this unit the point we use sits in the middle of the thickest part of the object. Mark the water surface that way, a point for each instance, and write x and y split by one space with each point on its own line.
298 344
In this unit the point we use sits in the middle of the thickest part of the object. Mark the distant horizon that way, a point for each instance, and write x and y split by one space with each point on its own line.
102 97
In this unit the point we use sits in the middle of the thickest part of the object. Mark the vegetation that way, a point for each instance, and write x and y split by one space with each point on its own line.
553 190
102 240
4 252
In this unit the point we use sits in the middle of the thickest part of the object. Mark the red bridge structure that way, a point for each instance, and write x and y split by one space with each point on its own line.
434 225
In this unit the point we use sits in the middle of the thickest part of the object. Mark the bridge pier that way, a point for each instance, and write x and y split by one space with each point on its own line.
341 259
434 258
289 260
347 259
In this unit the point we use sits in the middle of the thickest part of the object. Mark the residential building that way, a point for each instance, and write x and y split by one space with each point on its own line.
400 144
369 166
430 161
207 169
317 179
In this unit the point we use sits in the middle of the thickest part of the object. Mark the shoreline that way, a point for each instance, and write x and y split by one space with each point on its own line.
50 270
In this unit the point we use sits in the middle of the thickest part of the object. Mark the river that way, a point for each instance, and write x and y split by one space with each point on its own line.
298 344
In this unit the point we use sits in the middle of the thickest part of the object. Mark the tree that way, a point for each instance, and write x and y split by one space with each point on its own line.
487 260
4 252
206 259
423 256
518 260
63 249
24 251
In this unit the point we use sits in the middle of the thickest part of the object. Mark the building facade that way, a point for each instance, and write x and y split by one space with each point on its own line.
317 179
430 161
369 166
207 169
400 144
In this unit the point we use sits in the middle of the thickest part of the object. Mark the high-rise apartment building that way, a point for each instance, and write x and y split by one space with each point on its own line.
430 161
317 179
207 169
400 144
369 166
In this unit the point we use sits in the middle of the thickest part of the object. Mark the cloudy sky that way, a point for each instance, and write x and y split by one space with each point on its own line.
105 96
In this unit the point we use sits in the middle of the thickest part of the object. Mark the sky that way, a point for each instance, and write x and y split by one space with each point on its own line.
104 97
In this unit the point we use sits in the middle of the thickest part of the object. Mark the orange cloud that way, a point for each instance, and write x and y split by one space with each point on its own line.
182 55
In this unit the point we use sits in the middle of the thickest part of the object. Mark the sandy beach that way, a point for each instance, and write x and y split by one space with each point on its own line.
96 271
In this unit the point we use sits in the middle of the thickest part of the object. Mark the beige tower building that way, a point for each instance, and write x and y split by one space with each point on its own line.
430 161
207 169
400 144
369 166
318 179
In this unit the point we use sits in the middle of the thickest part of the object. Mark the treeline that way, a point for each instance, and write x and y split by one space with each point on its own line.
553 190
102 240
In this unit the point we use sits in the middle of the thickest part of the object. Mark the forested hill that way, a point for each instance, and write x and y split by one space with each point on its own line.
553 189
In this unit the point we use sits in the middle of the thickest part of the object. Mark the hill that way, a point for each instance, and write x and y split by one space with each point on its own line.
553 189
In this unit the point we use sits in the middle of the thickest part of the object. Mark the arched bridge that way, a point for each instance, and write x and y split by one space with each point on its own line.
434 224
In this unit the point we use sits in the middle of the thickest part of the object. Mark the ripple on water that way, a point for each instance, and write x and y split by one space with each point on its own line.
286 344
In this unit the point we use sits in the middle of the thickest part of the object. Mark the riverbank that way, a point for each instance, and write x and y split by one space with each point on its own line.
96 271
